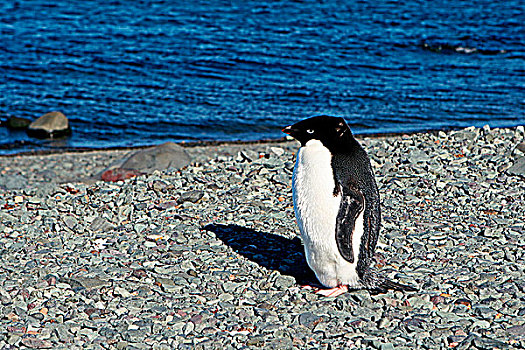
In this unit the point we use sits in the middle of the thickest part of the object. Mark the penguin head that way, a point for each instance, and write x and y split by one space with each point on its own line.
332 132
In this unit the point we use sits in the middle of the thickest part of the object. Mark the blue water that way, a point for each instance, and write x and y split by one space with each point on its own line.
130 73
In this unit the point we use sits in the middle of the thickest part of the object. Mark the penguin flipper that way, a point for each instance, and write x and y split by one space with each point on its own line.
352 205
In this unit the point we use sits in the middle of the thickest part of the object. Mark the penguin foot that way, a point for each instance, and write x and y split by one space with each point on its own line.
306 286
333 292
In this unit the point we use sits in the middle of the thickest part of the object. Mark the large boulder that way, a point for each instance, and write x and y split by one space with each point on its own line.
168 156
51 125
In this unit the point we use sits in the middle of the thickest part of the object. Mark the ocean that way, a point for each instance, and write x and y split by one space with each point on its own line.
134 73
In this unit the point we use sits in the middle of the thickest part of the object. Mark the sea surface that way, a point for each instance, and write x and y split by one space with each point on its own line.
131 73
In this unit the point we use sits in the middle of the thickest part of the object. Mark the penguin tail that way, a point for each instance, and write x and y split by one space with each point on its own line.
387 284
378 283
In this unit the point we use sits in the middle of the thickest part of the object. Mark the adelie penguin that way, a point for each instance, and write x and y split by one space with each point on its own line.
337 206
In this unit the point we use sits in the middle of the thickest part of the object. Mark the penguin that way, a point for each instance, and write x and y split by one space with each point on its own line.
337 206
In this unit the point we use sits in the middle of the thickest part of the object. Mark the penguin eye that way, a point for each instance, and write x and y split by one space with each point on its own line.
310 131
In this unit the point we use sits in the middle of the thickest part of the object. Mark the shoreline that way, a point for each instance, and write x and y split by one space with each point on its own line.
189 144
87 164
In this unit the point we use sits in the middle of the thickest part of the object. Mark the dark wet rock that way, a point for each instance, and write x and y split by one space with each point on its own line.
50 125
17 123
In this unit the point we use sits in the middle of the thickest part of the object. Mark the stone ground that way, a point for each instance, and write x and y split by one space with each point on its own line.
208 257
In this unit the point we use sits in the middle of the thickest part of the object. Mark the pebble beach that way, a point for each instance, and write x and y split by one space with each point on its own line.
208 256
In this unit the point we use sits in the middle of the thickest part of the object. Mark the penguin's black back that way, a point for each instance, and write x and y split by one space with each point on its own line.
351 166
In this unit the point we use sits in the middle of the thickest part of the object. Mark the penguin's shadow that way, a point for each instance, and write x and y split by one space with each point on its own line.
268 250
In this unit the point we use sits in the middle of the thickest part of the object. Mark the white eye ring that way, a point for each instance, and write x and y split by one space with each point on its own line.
310 131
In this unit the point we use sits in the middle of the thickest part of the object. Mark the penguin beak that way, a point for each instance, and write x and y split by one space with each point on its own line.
289 130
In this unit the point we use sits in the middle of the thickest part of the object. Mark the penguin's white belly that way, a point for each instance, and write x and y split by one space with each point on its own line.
316 210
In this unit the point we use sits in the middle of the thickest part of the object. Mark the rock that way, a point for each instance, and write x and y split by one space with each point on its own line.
62 333
50 125
277 150
89 283
518 168
230 286
256 341
5 297
17 123
488 343
101 224
122 292
188 328
70 222
163 157
309 320
166 156
418 157
481 324
191 196
518 331
119 174
280 343
521 147
160 186
247 155
122 345
465 135
226 297
36 343
166 284
283 282
386 346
